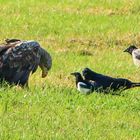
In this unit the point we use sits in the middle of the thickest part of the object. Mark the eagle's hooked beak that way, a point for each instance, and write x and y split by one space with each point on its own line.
44 71
44 74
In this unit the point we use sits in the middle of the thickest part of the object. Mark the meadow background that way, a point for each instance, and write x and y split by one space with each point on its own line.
78 34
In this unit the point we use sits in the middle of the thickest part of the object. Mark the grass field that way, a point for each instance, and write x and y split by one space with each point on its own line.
78 34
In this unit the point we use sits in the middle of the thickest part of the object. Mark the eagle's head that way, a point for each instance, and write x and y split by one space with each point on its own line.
45 62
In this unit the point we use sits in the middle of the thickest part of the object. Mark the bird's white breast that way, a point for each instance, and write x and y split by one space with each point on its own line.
82 89
136 55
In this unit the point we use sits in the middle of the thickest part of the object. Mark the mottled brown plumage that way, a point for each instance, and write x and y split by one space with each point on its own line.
20 58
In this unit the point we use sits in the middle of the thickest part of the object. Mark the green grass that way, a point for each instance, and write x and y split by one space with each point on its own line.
78 34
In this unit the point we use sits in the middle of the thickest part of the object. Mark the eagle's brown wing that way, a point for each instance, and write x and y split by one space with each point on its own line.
9 43
18 61
13 40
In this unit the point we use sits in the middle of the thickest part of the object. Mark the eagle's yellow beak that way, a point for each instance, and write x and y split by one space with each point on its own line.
44 71
44 74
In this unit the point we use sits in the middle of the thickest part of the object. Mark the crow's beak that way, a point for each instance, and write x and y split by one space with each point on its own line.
72 74
126 50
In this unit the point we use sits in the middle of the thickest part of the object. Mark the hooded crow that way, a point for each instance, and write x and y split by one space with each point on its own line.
135 52
107 83
82 85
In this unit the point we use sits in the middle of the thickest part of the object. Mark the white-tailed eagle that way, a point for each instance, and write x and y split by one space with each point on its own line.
19 58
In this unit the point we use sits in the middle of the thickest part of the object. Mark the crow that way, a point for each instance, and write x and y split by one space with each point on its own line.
135 52
107 83
82 85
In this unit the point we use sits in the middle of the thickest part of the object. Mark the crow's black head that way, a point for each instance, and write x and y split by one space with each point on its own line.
87 73
76 74
130 49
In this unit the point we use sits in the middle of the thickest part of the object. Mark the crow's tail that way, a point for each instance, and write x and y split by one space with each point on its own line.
135 84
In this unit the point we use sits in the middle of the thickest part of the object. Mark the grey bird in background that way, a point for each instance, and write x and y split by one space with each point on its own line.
135 52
